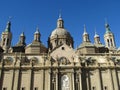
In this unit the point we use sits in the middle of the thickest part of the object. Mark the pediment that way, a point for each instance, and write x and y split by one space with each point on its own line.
63 51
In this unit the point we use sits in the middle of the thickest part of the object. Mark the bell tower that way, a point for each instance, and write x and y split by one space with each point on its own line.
109 38
6 38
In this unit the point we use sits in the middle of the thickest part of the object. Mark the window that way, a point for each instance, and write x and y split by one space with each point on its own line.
4 88
4 41
63 48
93 88
56 42
111 42
7 41
108 42
105 88
36 88
23 88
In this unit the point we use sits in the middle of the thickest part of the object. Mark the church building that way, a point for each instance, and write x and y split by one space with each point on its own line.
92 66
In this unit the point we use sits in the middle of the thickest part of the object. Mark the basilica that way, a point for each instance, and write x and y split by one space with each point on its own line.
92 66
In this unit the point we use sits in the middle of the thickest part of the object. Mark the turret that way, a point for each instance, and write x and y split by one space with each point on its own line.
85 35
6 38
37 35
21 40
60 22
109 38
96 39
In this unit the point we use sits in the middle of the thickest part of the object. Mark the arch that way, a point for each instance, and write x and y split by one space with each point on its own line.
64 61
65 82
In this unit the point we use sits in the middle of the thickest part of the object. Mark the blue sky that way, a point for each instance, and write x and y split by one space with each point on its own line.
29 14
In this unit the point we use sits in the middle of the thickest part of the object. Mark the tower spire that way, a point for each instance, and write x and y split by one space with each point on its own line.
21 40
60 22
85 29
85 35
106 21
109 38
60 14
96 38
8 27
37 35
6 37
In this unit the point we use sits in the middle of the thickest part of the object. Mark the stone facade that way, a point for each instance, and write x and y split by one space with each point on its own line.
59 67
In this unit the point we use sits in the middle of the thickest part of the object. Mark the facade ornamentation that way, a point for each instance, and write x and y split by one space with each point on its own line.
92 66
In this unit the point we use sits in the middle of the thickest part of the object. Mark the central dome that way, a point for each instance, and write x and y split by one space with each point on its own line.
59 36
60 32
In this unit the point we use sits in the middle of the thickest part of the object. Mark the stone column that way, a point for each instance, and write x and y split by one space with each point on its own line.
115 80
73 81
80 81
99 80
50 82
57 80
16 80
87 79
30 77
12 80
110 83
43 85
1 74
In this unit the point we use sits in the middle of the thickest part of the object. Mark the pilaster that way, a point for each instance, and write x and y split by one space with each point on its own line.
50 81
30 75
111 80
16 80
87 80
80 81
57 81
99 80
73 81
115 80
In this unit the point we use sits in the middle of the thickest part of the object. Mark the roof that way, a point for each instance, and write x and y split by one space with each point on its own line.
86 44
60 31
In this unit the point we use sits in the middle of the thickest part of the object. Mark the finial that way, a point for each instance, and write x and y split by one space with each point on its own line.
8 25
22 34
9 18
106 22
37 31
85 29
60 14
95 31
96 35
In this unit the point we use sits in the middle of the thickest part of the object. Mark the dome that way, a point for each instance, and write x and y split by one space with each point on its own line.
96 35
60 32
59 36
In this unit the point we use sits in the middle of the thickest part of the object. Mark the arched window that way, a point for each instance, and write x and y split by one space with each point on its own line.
65 83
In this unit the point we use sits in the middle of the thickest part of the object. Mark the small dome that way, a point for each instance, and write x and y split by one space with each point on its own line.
85 33
37 31
96 35
22 34
60 31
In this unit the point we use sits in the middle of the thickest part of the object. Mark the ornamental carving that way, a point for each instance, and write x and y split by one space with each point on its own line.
8 60
89 60
64 61
34 60
25 61
117 61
